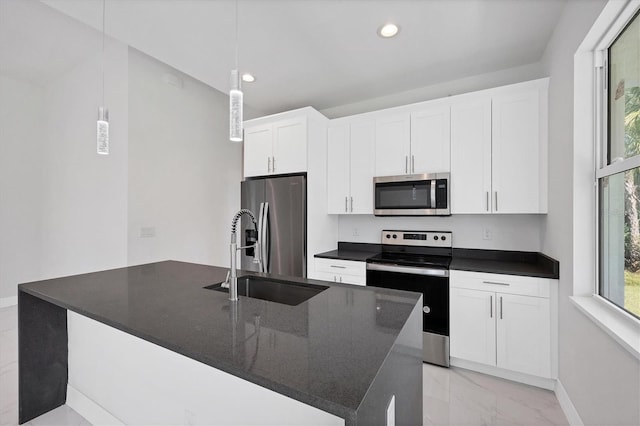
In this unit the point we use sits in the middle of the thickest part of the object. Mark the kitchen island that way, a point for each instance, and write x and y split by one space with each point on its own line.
145 342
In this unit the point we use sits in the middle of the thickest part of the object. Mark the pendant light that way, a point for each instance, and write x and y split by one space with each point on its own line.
235 96
103 112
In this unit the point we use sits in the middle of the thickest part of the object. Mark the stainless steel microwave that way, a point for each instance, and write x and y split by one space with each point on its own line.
412 195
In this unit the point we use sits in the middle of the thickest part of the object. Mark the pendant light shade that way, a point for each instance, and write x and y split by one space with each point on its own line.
103 131
235 108
235 96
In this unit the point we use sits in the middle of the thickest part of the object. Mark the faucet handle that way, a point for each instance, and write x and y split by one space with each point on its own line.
225 283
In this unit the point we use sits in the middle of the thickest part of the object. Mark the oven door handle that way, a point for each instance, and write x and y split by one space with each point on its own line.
408 270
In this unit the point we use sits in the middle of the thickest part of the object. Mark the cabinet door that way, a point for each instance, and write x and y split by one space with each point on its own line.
257 150
338 169
472 325
290 146
362 157
392 145
471 156
430 140
524 334
516 152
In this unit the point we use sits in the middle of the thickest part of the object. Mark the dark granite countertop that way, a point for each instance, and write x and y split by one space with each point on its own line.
352 251
523 263
326 352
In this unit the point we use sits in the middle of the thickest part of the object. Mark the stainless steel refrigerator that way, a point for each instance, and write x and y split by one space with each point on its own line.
280 206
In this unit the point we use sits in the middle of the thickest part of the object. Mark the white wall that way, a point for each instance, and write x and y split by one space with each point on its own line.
601 378
508 232
20 183
84 204
184 174
455 87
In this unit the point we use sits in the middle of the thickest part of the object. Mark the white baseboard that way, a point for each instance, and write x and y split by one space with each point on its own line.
527 379
567 406
88 409
8 301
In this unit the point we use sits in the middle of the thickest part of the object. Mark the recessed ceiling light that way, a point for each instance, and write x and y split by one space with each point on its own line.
388 30
248 78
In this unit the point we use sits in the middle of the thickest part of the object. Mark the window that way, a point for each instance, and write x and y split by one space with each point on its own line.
619 174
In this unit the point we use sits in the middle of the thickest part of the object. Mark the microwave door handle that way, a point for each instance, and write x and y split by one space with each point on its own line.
433 193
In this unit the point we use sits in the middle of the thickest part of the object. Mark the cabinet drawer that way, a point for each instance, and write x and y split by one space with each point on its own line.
342 267
341 278
508 284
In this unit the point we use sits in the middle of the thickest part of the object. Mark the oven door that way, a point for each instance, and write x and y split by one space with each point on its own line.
433 283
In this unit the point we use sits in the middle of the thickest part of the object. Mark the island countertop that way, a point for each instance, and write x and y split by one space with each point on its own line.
336 342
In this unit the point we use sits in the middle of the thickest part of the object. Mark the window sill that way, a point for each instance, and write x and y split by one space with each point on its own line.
622 327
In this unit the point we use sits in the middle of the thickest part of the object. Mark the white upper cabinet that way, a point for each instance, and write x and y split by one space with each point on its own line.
275 146
430 140
415 141
499 150
519 149
350 165
392 149
471 156
258 149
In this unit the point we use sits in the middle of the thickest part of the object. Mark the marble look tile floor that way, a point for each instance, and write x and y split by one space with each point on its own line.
451 396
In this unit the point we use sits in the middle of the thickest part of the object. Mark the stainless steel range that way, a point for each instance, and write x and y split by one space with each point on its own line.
419 261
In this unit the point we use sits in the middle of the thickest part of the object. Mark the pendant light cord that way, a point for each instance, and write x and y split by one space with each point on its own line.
103 19
237 35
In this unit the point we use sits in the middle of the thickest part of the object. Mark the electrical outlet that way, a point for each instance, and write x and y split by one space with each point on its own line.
356 233
486 234
189 418
147 232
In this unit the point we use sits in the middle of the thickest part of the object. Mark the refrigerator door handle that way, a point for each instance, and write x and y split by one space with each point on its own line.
264 239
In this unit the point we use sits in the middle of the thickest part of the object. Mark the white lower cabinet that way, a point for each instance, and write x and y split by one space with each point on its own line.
341 271
503 321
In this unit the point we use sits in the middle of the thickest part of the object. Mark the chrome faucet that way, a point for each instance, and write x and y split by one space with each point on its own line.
232 276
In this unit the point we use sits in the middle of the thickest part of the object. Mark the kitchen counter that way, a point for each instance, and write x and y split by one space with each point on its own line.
531 264
339 359
523 263
358 252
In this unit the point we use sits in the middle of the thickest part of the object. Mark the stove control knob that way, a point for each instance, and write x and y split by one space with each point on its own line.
395 236
435 237
444 237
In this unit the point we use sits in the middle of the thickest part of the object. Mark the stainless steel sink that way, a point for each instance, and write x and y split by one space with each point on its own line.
287 292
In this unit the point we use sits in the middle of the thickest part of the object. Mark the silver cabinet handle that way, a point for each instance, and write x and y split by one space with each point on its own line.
273 164
487 200
268 164
340 278
500 307
496 200
406 164
413 164
335 280
351 204
339 267
345 204
495 282
491 306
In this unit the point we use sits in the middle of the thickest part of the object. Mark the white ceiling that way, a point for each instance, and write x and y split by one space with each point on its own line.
323 53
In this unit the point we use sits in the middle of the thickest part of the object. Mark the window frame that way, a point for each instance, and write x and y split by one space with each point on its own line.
602 135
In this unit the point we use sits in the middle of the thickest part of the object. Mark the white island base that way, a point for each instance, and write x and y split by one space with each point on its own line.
117 378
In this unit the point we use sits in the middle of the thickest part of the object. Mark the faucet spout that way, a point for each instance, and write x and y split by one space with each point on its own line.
233 249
